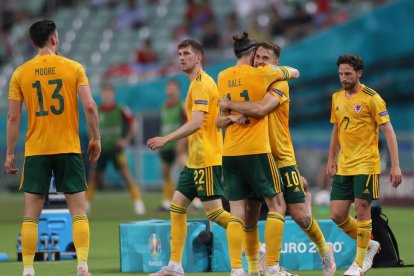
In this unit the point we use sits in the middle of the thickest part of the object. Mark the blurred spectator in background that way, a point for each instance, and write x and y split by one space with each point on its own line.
232 27
7 14
300 23
145 55
210 37
130 17
114 121
259 32
277 24
172 117
146 60
197 14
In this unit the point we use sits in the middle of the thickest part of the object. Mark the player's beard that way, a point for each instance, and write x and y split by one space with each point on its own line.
186 68
348 86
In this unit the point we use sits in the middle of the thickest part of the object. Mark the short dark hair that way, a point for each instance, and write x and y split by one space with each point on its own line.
194 44
243 44
270 46
40 32
353 60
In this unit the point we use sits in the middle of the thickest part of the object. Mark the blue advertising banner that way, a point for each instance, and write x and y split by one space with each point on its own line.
298 251
145 246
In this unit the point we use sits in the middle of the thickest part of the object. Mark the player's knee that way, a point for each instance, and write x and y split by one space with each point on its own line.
302 219
338 218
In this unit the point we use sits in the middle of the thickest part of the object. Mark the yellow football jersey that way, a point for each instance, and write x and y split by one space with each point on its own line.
246 83
358 119
48 86
279 134
206 144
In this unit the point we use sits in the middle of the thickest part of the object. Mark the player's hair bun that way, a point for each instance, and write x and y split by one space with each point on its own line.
242 43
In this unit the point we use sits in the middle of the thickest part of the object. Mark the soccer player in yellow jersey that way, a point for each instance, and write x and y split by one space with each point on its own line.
357 113
49 85
275 104
201 177
249 169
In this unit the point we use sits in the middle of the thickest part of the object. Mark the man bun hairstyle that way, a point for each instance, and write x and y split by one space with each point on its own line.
353 60
242 44
40 32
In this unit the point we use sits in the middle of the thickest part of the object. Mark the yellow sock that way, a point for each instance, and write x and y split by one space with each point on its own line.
363 237
219 216
134 191
273 237
315 234
350 227
29 234
251 248
178 231
168 190
90 192
235 236
81 237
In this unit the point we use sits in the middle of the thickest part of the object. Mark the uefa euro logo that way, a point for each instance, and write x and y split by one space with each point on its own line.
154 245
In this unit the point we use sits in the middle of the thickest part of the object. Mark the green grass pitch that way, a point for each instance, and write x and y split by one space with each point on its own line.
111 209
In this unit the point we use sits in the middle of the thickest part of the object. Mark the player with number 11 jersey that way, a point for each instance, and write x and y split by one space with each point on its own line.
246 83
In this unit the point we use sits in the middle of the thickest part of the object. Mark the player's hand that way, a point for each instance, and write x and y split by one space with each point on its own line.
331 168
238 119
156 143
121 144
9 164
395 176
224 104
94 150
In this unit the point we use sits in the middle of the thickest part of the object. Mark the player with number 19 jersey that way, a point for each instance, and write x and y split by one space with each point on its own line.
48 99
246 83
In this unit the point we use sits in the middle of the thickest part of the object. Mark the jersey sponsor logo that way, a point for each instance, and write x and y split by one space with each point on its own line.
154 245
296 190
383 113
201 102
337 108
199 188
366 191
277 91
358 108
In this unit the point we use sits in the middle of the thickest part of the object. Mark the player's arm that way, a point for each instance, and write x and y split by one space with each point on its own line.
395 172
287 72
92 120
224 120
255 109
294 73
333 149
191 126
13 126
132 128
